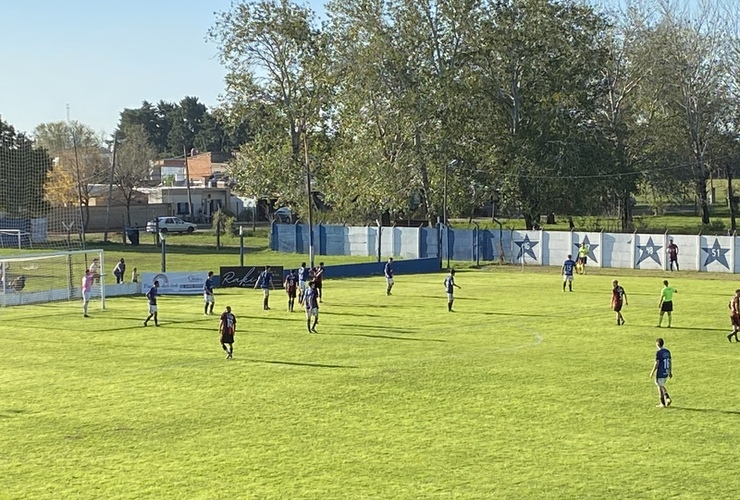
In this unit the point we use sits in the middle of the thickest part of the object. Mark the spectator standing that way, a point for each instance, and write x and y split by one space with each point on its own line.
672 250
119 271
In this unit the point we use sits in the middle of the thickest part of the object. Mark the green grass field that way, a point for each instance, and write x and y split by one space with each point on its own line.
524 392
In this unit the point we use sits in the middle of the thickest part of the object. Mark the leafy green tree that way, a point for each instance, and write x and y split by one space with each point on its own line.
540 61
689 73
186 124
275 56
153 119
404 99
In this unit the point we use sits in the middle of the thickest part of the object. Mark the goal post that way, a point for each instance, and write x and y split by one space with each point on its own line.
13 237
52 277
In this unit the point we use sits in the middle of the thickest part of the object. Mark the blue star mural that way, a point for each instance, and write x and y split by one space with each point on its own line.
526 247
591 248
716 254
649 251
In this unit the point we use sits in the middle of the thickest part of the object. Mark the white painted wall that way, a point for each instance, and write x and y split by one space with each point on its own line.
360 242
688 252
550 248
408 242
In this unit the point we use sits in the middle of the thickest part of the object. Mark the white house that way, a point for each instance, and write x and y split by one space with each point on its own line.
206 200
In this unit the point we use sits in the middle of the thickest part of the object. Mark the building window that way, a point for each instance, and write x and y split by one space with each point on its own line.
182 209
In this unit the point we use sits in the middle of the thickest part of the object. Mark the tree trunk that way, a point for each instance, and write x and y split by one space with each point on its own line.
426 203
86 222
529 220
128 211
730 198
625 211
701 195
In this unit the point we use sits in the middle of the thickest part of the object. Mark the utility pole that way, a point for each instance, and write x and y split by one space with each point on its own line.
79 180
444 210
310 197
110 188
187 183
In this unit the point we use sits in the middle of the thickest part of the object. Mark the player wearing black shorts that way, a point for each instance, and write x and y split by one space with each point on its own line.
227 329
318 279
291 288
666 302
619 299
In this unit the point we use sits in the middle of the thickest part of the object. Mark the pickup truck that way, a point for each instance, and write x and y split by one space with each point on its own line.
170 225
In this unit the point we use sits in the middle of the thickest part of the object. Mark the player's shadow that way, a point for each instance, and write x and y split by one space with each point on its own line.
498 313
11 412
351 314
389 337
707 410
138 326
381 328
296 363
200 329
443 297
696 328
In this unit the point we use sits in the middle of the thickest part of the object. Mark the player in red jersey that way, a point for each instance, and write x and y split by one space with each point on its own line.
735 316
318 279
672 250
291 288
227 328
619 299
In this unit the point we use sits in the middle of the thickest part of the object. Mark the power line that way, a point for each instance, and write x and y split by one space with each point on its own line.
602 176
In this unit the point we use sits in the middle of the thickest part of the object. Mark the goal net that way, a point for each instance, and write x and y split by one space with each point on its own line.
39 194
37 279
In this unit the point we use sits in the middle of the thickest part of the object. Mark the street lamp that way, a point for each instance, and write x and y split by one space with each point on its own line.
444 209
162 239
310 197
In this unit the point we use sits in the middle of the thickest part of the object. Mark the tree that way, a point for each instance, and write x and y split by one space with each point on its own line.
541 61
275 59
133 164
188 124
185 124
689 72
23 171
406 105
153 119
78 162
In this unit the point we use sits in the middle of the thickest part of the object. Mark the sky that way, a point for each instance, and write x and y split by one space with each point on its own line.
100 57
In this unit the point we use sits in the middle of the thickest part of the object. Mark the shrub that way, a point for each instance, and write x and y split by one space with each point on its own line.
228 222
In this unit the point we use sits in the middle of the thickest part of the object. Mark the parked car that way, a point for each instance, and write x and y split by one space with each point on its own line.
170 225
284 215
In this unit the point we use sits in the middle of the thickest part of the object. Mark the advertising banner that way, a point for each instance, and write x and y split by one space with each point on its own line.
177 283
246 277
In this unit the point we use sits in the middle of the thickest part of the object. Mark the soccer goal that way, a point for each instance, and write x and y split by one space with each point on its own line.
13 237
53 277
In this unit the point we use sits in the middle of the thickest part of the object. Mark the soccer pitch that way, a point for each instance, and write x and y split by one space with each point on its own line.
523 392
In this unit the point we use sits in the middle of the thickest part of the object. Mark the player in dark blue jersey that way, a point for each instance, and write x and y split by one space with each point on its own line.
290 285
450 286
311 303
388 271
151 296
301 282
663 370
208 297
264 281
568 267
